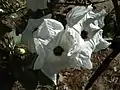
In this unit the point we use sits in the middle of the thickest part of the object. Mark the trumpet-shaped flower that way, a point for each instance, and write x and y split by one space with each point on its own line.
59 48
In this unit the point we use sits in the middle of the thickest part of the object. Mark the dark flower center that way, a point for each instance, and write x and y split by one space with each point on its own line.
84 34
58 51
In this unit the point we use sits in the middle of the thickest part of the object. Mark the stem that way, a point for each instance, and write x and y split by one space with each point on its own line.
102 68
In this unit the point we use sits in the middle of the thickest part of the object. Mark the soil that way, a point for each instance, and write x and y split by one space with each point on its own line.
77 79
73 79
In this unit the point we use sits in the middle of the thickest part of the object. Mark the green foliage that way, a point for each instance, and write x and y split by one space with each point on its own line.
16 39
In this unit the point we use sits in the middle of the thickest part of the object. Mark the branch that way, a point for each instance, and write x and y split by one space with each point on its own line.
102 68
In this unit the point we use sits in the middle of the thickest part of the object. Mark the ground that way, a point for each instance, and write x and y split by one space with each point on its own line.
72 79
109 80
76 79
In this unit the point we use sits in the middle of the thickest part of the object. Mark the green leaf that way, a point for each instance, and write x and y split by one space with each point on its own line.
16 39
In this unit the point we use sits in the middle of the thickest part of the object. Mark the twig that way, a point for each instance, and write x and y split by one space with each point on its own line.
102 68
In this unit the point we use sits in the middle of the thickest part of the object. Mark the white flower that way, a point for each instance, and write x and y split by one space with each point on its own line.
58 48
